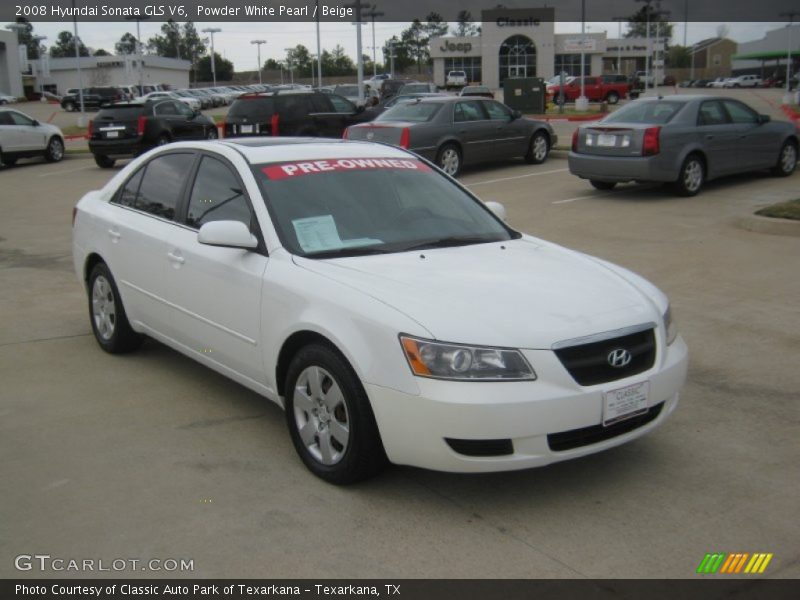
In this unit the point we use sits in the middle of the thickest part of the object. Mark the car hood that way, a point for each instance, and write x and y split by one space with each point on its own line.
521 293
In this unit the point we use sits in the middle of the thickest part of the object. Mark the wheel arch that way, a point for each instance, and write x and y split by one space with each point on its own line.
91 260
292 345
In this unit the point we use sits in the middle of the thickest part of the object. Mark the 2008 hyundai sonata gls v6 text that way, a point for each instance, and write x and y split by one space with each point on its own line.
390 312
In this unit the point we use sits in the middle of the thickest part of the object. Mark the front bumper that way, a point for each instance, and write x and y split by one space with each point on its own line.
414 428
622 168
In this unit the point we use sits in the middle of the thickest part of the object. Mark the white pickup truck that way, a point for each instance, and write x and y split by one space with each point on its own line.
456 79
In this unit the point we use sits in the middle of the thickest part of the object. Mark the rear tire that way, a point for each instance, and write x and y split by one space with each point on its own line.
612 97
107 315
69 106
538 149
787 160
55 150
448 159
603 185
330 419
104 162
692 176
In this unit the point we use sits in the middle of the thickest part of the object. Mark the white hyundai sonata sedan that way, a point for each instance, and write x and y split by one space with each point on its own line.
391 313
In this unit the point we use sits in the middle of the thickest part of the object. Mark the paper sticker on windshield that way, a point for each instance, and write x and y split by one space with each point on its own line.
315 234
311 167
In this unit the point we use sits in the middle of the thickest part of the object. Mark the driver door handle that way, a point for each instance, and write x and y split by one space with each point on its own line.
176 258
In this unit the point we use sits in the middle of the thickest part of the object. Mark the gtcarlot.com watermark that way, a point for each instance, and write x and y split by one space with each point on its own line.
46 563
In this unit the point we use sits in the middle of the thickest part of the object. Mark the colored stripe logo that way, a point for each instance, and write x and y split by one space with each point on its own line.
733 563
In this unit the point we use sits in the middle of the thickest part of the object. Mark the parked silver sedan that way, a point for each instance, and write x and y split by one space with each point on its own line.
453 131
683 140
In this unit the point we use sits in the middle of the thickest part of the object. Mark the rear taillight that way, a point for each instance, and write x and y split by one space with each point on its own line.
141 123
346 133
274 123
405 138
575 140
90 130
650 143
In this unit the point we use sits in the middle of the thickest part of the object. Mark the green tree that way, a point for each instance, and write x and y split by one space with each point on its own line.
415 43
126 44
168 43
637 24
435 26
192 45
300 60
401 58
101 52
65 46
465 26
223 66
26 38
273 65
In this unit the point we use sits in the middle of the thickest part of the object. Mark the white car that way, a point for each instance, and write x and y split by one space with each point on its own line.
22 136
456 79
413 326
6 99
719 82
743 81
192 103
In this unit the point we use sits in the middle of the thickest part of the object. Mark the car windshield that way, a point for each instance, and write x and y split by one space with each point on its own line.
329 208
656 113
347 90
415 112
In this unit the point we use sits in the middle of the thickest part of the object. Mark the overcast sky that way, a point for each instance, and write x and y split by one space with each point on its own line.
234 40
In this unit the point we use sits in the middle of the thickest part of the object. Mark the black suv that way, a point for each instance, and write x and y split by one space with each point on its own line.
128 129
293 113
93 98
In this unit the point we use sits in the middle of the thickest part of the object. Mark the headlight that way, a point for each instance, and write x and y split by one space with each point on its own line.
469 363
669 326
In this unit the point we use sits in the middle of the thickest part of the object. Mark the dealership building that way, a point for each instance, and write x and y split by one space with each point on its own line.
523 43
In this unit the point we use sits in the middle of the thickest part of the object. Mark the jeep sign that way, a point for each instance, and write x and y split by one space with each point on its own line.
451 47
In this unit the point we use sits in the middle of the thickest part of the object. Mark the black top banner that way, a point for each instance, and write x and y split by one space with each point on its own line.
387 10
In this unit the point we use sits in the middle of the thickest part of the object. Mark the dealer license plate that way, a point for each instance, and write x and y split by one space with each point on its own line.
246 129
625 403
606 139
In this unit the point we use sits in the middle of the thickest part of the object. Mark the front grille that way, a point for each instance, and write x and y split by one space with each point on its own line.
588 363
576 438
481 447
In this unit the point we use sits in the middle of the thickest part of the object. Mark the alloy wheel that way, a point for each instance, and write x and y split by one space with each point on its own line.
693 175
104 310
449 162
539 148
321 415
788 158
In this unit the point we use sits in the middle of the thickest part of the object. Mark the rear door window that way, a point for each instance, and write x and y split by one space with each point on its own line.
165 109
712 113
128 193
342 105
469 111
162 184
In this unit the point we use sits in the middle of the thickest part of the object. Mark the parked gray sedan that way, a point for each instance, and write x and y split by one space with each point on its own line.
682 140
453 131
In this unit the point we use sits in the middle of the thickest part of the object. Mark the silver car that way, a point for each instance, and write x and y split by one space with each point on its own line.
22 136
453 131
683 140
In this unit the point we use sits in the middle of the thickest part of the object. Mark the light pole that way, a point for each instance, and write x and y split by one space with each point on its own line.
619 21
787 99
582 103
390 43
289 64
258 44
372 13
659 46
212 31
139 58
649 48
359 10
319 51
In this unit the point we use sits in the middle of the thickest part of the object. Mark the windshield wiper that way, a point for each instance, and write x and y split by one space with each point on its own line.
343 252
450 241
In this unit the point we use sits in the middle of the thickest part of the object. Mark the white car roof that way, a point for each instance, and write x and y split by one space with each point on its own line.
266 150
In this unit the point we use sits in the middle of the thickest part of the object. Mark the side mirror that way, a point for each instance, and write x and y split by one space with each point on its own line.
229 234
515 114
360 109
498 209
36 123
763 119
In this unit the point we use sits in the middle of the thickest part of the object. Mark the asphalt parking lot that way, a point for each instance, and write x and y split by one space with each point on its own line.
152 455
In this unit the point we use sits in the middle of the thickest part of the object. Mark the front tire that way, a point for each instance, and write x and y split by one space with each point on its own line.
448 159
612 98
107 314
103 161
69 106
55 150
330 419
603 185
538 149
692 176
787 160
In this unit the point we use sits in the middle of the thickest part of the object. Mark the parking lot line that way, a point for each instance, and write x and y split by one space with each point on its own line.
579 198
50 174
515 177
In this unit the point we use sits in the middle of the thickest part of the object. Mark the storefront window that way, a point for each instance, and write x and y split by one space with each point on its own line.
470 64
517 58
571 64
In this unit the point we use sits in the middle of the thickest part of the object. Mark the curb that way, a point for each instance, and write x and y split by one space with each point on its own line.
769 225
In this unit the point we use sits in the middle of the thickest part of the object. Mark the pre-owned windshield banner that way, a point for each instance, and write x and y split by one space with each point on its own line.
293 170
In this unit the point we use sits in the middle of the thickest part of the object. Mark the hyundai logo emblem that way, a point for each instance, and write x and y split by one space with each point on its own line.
619 358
